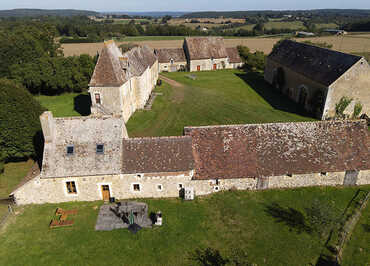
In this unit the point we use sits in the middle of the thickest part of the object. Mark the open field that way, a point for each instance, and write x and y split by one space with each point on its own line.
349 43
214 98
13 174
264 224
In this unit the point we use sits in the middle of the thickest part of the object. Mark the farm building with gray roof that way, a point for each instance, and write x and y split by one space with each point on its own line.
317 78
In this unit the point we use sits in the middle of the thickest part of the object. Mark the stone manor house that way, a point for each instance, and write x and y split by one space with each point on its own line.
318 78
93 158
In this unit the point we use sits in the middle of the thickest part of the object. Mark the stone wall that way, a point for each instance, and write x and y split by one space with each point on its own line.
207 64
53 190
294 84
355 84
168 67
109 97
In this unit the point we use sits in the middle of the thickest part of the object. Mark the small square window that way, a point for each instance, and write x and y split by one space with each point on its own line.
136 187
290 175
159 187
100 148
71 187
70 150
323 173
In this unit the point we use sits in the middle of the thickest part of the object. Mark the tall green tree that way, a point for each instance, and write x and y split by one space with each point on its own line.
19 121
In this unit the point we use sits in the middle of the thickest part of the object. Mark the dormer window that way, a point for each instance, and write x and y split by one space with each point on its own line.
171 61
97 98
99 148
70 150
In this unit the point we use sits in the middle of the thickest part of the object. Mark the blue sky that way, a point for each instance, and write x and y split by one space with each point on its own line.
183 5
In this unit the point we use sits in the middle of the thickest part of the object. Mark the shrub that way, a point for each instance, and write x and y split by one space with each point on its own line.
357 110
19 116
341 106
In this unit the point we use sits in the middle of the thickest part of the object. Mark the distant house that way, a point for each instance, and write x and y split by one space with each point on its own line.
171 60
318 78
305 34
205 53
234 59
210 53
122 83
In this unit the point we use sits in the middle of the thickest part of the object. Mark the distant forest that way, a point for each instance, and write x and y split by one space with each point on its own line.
45 12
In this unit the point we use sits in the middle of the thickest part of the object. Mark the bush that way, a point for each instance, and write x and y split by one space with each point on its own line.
357 110
19 116
341 106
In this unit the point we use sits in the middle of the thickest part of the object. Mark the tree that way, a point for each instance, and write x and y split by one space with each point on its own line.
341 106
321 217
165 19
357 110
19 116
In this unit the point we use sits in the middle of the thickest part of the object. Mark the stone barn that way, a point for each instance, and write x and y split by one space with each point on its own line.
205 53
122 83
171 60
234 58
92 158
317 78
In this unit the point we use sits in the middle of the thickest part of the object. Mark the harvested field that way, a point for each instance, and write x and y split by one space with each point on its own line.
357 43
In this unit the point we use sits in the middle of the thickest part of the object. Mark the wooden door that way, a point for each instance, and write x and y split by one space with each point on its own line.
105 192
214 66
198 68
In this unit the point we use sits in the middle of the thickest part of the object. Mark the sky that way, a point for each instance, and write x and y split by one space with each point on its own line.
184 5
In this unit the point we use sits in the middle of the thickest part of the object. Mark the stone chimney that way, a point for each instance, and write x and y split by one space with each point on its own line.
48 126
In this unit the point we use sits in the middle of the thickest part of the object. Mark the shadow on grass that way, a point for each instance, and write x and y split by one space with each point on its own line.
325 260
277 100
82 104
208 257
366 228
294 219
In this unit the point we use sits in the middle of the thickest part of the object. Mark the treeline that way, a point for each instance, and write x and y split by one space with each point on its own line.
358 26
30 56
26 12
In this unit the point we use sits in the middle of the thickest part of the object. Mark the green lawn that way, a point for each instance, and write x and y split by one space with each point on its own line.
357 251
225 221
67 104
13 174
214 98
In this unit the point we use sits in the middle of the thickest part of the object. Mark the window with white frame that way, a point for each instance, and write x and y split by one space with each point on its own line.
136 187
71 187
97 98
159 187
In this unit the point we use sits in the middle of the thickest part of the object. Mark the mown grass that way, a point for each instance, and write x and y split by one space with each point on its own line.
357 251
214 98
225 221
13 174
65 105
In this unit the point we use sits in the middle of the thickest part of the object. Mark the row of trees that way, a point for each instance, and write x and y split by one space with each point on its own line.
32 62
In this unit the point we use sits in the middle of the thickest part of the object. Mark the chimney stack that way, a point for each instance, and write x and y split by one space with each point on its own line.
48 126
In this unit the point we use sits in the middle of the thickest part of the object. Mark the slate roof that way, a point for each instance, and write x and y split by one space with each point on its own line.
108 71
319 64
205 47
165 55
110 68
84 133
277 149
233 54
140 58
157 155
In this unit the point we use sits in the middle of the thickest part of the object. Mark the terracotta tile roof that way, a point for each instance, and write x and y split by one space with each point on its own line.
321 65
165 55
157 155
233 54
205 47
108 71
278 149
